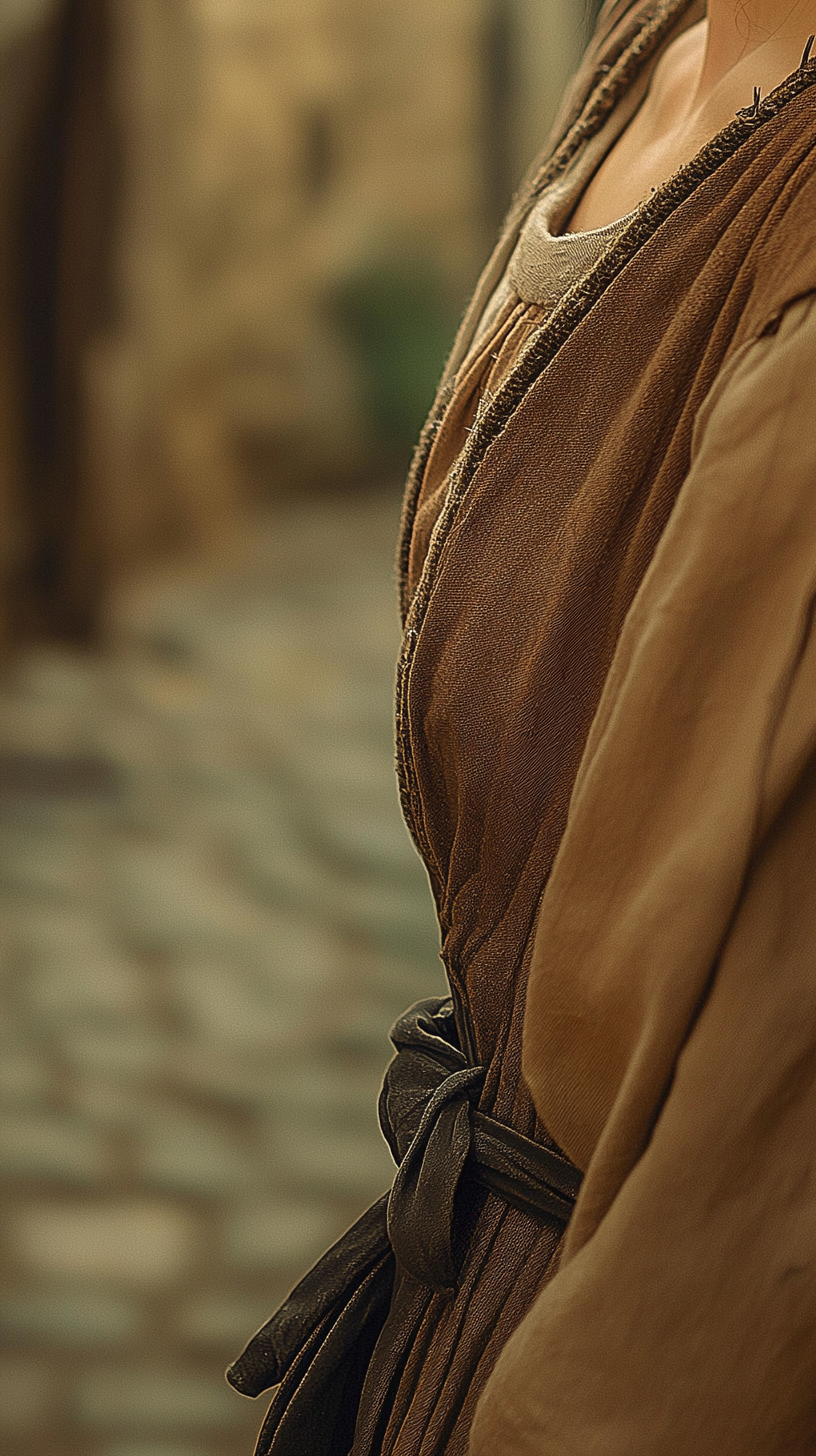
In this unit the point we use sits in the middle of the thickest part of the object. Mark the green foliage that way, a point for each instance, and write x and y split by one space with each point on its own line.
399 319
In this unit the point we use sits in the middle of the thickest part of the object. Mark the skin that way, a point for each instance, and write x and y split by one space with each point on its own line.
699 83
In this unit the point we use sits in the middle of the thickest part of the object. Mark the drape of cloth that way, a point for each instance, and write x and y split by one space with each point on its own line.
316 1347
516 597
671 1023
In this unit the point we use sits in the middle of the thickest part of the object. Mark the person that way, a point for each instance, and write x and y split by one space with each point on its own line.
602 1229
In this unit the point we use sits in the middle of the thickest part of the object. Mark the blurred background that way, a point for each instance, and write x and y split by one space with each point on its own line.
236 237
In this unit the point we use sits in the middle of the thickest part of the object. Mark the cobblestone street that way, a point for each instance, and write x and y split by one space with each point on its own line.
211 914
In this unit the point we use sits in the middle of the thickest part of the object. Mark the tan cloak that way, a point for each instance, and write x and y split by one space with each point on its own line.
670 1039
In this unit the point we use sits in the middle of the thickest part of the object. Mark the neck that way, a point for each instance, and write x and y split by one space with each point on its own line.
770 34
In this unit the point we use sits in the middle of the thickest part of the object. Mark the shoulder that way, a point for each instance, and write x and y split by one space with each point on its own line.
760 408
785 259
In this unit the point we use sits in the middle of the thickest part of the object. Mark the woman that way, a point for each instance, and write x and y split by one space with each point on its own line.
607 716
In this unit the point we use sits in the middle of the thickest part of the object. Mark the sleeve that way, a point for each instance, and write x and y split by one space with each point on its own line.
683 1320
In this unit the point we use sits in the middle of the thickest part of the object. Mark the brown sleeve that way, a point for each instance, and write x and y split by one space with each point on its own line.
683 1319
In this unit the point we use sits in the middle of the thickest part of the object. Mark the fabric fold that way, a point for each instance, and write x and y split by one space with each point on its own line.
420 1205
671 1014
316 1348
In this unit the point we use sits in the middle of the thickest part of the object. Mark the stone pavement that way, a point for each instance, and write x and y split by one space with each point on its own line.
210 913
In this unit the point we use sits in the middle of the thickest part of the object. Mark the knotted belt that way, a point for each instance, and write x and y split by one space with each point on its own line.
317 1346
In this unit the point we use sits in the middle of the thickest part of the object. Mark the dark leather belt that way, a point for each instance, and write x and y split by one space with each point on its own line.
317 1345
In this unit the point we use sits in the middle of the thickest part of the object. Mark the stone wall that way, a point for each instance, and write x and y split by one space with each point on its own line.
267 152
274 149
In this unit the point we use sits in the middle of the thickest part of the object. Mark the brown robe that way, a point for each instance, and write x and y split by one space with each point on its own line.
539 547
605 723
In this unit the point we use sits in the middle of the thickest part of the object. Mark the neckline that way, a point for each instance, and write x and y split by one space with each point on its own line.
546 264
585 175
563 194
549 200
599 232
604 86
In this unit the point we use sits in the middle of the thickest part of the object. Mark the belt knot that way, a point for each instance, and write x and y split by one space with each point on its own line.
421 1201
329 1324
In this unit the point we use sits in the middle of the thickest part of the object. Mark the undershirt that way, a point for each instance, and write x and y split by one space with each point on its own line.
546 262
